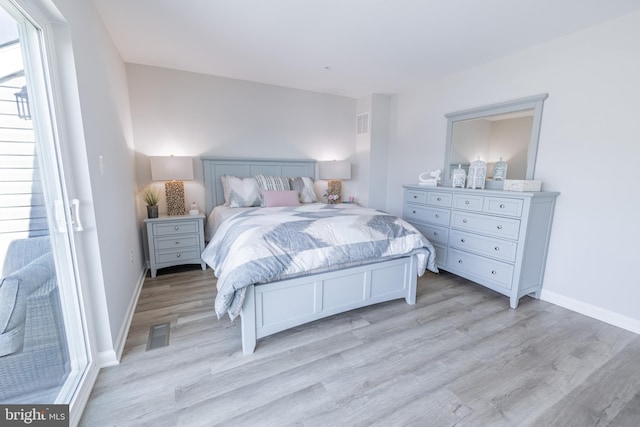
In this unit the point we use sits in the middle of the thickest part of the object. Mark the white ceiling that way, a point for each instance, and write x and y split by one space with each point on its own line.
342 47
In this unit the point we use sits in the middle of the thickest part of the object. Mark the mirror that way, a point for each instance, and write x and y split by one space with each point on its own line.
508 130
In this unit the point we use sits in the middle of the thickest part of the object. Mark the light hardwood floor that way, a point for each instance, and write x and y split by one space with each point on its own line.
460 356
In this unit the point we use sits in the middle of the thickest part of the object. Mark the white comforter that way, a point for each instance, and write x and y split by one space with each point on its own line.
261 245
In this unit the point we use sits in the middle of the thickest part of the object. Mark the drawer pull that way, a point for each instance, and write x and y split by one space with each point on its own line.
435 233
466 202
459 261
493 272
177 242
497 248
439 199
464 220
415 197
178 256
461 240
176 228
413 212
437 215
499 227
502 206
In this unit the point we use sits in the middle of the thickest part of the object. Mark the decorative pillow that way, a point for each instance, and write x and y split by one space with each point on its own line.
224 179
280 198
243 192
273 183
304 186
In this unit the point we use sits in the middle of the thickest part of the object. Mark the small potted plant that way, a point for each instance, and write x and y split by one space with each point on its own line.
151 197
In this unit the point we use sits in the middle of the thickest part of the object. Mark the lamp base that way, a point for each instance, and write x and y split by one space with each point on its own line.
174 191
335 187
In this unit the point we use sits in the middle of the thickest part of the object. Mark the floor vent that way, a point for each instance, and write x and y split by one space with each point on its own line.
158 336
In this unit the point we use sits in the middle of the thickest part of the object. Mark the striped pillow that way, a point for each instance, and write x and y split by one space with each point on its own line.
273 183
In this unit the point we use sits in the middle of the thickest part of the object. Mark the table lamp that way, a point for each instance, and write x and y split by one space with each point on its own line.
173 170
334 171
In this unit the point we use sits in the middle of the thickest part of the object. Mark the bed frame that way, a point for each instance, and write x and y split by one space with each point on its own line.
277 306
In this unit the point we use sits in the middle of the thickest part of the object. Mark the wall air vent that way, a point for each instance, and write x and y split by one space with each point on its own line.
362 124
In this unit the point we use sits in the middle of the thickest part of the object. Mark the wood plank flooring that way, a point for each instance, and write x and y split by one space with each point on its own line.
459 357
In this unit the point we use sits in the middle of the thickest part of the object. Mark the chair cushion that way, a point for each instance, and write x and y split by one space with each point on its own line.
14 290
22 251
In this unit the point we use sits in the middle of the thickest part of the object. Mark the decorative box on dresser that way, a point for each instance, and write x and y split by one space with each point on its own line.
496 238
175 240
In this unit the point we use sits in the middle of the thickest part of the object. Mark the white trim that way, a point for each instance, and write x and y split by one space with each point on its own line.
80 399
124 331
607 316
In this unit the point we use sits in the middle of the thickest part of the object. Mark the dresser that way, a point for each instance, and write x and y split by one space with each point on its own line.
498 239
175 240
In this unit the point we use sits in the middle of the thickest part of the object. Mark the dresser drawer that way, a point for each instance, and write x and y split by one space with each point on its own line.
503 206
468 202
507 228
175 227
424 214
504 250
439 199
415 196
434 233
496 272
177 242
441 254
173 256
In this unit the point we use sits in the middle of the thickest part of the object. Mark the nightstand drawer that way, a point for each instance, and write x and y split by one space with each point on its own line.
175 227
177 242
173 256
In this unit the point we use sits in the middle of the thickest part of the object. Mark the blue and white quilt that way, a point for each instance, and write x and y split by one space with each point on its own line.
263 245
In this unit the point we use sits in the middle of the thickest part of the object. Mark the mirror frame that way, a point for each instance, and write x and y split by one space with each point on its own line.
533 102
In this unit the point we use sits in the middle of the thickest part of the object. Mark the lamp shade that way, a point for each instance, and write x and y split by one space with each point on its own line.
334 170
171 168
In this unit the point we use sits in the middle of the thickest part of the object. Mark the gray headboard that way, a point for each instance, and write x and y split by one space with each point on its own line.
215 167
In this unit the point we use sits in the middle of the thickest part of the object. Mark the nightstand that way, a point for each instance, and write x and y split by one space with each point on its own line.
175 240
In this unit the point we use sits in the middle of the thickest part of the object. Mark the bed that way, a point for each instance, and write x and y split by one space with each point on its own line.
319 288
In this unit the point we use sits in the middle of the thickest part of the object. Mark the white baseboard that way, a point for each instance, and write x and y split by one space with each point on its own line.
112 357
607 316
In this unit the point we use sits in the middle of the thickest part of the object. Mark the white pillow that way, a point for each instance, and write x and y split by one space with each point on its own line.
243 192
304 186
225 188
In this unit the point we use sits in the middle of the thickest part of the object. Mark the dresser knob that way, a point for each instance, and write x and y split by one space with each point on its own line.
466 202
461 240
459 261
437 215
493 272
497 248
176 228
501 206
177 242
413 211
464 220
415 197
499 227
178 256
439 199
435 233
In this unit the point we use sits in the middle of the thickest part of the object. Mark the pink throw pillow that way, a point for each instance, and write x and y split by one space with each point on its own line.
280 198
